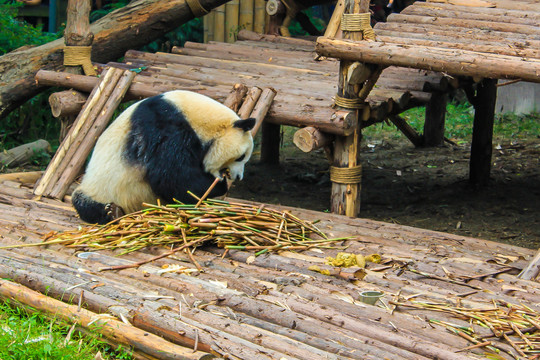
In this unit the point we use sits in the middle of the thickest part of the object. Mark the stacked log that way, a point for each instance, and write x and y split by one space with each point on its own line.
273 306
70 157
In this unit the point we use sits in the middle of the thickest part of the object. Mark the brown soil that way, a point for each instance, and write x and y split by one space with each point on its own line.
426 188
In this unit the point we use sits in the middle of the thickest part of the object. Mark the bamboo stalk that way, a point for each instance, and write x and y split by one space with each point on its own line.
231 20
247 8
259 16
219 23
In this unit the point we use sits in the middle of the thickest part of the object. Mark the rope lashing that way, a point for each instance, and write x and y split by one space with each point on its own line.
196 8
346 103
346 175
358 22
79 55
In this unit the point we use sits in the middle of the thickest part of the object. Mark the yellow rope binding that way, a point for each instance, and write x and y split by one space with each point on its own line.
358 22
79 55
346 175
196 8
346 103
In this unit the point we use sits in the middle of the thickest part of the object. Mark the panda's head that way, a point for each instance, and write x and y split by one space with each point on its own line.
229 152
226 136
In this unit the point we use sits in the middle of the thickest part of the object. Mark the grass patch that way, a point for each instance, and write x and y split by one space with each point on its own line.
29 336
459 125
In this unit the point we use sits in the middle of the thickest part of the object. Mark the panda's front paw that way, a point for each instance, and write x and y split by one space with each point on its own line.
114 211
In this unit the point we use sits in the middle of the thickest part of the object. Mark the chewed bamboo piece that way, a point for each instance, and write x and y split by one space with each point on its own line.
229 225
515 325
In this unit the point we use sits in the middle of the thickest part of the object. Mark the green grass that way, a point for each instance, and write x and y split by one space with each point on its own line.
29 336
459 123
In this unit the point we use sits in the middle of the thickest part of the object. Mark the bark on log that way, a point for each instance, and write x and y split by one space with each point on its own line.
309 138
407 130
112 329
67 102
21 154
284 112
455 62
532 270
249 103
262 107
471 24
234 100
132 26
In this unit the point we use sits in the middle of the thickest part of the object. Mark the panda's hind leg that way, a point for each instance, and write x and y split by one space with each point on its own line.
94 212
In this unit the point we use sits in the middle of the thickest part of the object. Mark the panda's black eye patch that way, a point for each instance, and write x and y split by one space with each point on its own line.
241 158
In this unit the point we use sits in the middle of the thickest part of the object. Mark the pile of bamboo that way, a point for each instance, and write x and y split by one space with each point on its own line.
229 225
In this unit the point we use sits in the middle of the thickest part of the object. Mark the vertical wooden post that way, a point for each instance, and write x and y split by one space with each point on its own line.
435 119
481 147
345 197
77 33
270 140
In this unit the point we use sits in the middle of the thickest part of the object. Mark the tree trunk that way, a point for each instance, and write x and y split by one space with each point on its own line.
130 27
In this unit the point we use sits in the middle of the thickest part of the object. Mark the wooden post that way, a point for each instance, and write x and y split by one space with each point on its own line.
481 147
345 196
270 141
77 33
435 119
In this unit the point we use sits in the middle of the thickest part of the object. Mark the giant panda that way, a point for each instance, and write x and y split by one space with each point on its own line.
159 148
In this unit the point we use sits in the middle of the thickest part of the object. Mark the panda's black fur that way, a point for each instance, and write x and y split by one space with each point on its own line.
162 145
156 128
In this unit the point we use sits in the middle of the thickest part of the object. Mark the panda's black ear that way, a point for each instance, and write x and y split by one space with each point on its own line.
245 125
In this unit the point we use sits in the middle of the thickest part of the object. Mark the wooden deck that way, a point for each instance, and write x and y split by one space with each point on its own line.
275 307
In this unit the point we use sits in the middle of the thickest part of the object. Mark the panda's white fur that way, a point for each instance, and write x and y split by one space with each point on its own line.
159 148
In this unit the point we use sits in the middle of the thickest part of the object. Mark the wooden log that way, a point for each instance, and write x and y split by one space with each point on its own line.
21 154
401 38
481 146
472 13
29 177
234 100
532 270
76 162
283 112
465 23
78 33
249 102
51 174
67 102
262 107
129 27
460 35
112 329
345 195
407 130
254 36
435 119
455 62
333 25
309 139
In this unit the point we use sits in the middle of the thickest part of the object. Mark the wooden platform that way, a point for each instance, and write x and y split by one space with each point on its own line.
275 307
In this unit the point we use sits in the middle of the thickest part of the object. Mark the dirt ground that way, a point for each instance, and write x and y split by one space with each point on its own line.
424 187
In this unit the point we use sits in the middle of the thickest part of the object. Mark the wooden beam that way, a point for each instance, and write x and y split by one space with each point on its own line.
435 119
452 61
